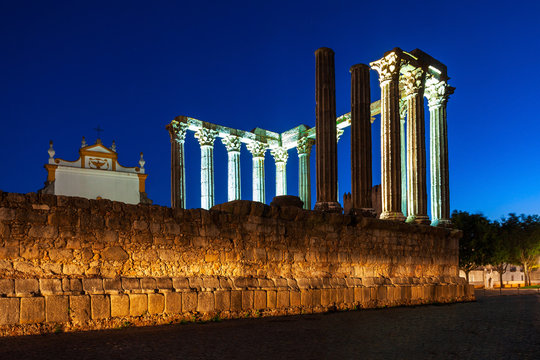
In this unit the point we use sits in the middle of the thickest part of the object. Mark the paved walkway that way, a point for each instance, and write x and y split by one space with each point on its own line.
494 327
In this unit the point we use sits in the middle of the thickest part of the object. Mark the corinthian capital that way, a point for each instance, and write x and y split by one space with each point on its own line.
280 154
232 143
206 136
304 145
414 81
437 92
257 149
388 66
177 131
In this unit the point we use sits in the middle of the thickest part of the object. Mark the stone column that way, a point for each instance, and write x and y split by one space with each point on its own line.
304 174
177 132
388 69
414 82
206 139
361 140
233 144
437 93
257 149
326 137
403 153
280 157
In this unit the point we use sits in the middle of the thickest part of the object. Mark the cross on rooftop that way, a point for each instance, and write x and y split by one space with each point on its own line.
98 130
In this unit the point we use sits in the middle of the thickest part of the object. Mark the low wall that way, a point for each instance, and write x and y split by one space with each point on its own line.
59 254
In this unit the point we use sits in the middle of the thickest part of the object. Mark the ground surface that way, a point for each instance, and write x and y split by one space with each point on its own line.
494 327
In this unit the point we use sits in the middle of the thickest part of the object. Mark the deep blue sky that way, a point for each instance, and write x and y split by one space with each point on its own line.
131 67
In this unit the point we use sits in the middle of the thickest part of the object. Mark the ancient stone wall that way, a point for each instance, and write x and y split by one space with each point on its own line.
111 261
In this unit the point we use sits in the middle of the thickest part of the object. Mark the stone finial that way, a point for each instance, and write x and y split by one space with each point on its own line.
232 143
142 162
206 136
113 146
280 154
177 131
51 151
304 145
83 142
257 149
437 92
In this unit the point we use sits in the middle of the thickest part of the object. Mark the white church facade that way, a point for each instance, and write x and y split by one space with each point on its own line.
96 174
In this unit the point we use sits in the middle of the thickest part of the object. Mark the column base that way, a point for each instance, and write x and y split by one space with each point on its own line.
447 223
393 216
328 206
365 212
418 219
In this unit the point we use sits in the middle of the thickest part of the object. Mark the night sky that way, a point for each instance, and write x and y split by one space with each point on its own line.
131 67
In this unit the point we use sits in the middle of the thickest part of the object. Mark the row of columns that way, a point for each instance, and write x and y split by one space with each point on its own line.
416 85
232 143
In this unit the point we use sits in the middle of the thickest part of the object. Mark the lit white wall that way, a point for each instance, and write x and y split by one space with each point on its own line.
88 183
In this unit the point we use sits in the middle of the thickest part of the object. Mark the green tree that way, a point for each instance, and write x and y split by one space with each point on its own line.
475 246
500 255
523 233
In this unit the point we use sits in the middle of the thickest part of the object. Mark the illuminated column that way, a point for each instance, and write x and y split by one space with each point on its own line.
304 174
280 157
233 144
388 69
206 139
414 82
326 136
257 149
361 139
403 154
437 93
177 131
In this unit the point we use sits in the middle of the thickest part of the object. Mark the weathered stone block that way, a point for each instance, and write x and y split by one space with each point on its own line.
93 286
340 295
156 303
138 304
164 284
236 300
205 301
358 294
349 296
222 300
271 299
112 286
295 298
366 296
100 306
26 287
131 284
259 299
119 305
333 296
56 308
50 286
180 284
79 306
283 299
189 301
210 283
326 295
32 310
148 285
173 303
306 298
7 287
115 253
316 298
247 299
9 311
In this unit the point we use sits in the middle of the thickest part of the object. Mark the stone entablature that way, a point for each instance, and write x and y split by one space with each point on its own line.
96 174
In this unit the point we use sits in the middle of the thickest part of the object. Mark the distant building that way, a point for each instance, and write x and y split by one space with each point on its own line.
488 277
96 174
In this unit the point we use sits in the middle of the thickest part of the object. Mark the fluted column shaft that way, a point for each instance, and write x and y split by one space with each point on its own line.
416 147
233 146
403 154
304 173
437 94
258 149
360 138
177 132
325 96
206 139
388 69
280 157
